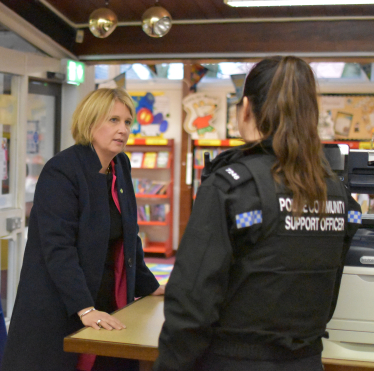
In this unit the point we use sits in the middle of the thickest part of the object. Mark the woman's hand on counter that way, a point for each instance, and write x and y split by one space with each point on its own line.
159 291
97 320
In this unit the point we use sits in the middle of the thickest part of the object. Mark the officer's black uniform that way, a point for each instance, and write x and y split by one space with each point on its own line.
251 281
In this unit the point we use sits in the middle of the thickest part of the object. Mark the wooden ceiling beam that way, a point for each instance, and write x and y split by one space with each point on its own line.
323 40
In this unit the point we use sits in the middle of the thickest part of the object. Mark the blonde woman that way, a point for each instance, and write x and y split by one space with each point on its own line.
83 257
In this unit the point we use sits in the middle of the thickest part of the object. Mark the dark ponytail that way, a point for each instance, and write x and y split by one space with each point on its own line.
283 95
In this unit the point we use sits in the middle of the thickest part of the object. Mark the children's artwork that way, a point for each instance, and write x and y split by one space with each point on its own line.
201 109
343 123
346 117
152 113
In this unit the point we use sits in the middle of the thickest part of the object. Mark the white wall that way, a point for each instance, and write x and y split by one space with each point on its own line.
71 96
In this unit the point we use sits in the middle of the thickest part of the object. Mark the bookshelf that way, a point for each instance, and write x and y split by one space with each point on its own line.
152 171
214 147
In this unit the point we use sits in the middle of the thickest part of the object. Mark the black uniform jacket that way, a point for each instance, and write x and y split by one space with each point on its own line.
251 281
65 255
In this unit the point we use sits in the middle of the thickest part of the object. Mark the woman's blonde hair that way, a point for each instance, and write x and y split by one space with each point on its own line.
95 108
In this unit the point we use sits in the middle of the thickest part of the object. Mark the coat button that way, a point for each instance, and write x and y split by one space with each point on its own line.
130 262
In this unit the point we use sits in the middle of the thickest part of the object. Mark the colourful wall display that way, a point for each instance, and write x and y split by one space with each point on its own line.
346 117
152 112
201 111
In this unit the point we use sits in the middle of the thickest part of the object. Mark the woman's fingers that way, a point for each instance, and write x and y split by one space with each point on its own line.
98 320
113 322
110 323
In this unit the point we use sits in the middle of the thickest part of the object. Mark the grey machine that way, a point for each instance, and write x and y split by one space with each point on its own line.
351 330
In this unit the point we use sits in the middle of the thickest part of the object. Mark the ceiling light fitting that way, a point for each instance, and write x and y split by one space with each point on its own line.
156 21
102 22
257 3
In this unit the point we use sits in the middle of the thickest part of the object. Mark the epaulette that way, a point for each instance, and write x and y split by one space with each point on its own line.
231 176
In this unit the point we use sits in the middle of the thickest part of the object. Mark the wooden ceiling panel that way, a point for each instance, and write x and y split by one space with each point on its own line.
323 37
265 32
132 10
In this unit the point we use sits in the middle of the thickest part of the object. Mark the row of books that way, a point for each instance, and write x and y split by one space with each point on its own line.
199 155
149 186
153 213
149 160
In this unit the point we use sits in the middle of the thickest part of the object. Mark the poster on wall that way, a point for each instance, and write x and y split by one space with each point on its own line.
33 133
346 117
152 114
232 130
4 159
201 111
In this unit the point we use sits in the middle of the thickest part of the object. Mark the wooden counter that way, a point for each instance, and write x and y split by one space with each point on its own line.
144 319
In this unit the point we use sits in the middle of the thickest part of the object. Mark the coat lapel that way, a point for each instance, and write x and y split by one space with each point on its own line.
126 198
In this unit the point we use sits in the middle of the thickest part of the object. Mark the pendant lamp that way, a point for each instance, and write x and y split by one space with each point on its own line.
156 21
102 22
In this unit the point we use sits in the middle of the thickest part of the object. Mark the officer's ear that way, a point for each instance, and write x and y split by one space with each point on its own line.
247 122
247 113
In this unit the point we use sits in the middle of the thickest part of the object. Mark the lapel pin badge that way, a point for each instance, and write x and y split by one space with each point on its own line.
121 190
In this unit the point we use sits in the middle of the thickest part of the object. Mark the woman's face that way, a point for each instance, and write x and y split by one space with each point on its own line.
110 136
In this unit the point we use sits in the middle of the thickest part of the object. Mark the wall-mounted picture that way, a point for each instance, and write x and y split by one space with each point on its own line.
343 123
152 114
346 117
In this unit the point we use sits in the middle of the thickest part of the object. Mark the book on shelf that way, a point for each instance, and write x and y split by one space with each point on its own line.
153 213
141 213
147 210
128 155
163 159
158 212
149 187
137 159
144 185
199 155
149 160
163 190
143 237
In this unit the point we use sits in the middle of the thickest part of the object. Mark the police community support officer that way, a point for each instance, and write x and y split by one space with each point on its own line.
258 269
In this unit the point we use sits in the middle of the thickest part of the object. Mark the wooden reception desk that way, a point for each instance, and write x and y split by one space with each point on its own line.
144 318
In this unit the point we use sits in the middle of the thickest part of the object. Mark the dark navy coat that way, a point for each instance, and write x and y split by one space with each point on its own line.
65 255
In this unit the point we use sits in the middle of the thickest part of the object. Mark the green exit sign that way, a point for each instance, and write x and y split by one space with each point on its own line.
75 72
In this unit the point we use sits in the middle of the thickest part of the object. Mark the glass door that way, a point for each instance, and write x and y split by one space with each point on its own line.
11 227
43 132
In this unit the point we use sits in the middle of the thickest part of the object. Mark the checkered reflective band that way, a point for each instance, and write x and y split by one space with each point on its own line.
354 217
248 219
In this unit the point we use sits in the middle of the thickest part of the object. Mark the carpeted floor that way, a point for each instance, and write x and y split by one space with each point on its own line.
161 271
160 266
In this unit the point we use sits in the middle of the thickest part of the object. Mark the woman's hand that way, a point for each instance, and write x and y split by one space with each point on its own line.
159 291
97 320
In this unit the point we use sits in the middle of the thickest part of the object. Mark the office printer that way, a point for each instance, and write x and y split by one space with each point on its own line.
352 325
